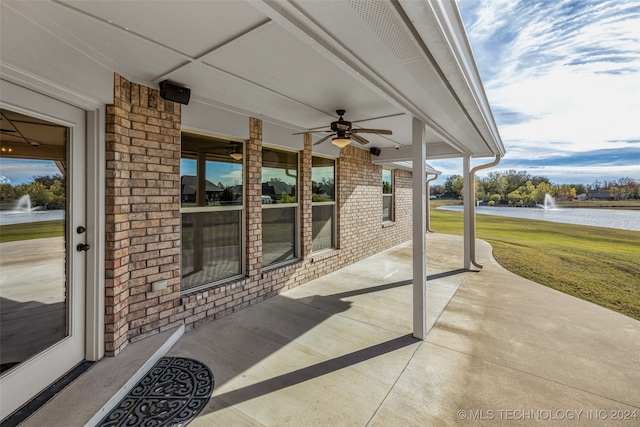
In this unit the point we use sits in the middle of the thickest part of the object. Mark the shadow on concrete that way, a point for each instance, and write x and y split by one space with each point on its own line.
275 324
310 372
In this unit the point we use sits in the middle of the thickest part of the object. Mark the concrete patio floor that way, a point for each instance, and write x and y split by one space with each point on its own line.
338 351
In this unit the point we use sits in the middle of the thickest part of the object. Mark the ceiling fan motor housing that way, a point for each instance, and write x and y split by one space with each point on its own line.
341 126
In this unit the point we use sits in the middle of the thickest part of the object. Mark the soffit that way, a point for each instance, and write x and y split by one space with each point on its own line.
290 63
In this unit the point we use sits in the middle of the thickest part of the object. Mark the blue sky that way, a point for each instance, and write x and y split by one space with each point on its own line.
563 81
23 170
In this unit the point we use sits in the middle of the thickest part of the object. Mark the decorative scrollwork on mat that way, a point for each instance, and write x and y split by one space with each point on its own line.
172 393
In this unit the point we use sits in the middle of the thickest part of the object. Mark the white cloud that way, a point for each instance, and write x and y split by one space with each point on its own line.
564 76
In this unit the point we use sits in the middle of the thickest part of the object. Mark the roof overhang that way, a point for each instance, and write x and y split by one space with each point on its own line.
291 64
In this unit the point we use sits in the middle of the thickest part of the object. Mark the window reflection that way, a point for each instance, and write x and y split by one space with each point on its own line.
279 200
211 196
323 201
279 176
387 195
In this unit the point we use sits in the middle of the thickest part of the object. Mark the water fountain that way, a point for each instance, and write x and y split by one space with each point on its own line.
549 202
23 204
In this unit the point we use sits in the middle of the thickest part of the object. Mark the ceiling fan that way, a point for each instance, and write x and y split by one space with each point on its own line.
343 132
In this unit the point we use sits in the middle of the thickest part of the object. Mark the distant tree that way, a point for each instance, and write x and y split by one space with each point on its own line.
541 190
40 195
437 190
514 198
495 198
566 193
7 193
227 195
285 198
616 192
580 188
58 194
47 180
453 186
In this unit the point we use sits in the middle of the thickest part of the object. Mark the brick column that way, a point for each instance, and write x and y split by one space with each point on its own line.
253 198
306 198
142 213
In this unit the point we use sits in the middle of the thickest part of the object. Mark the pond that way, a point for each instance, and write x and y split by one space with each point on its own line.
19 217
609 218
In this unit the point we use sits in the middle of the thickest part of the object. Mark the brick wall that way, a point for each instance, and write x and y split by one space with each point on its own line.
142 213
143 221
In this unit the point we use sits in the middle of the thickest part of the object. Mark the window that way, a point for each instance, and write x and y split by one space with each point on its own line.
323 174
279 206
211 209
387 195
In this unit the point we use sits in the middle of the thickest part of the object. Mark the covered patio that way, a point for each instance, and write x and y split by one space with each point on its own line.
339 351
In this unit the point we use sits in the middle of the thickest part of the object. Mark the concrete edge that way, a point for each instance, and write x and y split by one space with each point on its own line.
142 371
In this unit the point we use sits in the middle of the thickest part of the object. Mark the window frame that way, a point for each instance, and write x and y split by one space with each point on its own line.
392 216
201 159
296 206
334 227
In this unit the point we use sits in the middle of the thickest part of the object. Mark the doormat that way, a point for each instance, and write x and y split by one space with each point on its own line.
172 394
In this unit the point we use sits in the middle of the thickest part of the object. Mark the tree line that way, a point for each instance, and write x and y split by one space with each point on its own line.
48 191
520 188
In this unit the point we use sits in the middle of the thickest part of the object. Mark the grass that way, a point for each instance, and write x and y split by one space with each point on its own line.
596 264
31 230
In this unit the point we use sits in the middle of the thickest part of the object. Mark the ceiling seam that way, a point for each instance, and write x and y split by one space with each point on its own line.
105 62
199 58
125 29
370 78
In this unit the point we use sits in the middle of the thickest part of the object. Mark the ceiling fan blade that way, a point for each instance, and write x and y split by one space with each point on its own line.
378 131
359 139
311 131
323 139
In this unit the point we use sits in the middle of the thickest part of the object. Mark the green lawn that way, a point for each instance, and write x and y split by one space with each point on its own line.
31 230
593 263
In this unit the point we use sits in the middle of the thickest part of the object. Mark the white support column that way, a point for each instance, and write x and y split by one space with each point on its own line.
419 154
469 218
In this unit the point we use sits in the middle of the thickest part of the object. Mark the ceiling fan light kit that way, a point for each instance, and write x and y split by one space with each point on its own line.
342 132
341 142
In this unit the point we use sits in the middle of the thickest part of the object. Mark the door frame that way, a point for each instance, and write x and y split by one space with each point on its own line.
94 297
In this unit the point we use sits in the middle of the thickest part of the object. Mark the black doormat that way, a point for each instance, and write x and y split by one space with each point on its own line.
172 394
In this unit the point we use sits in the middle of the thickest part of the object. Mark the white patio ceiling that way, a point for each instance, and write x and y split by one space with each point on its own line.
290 63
